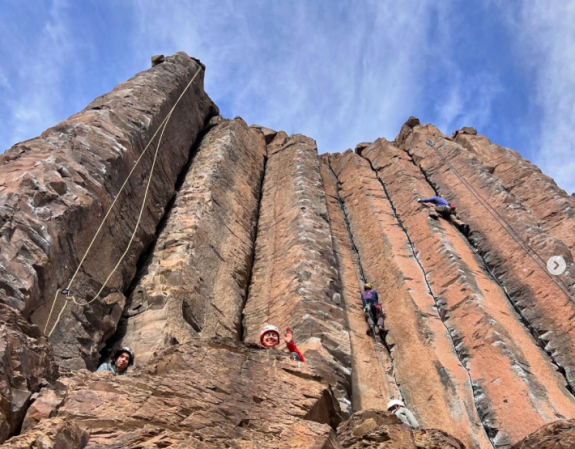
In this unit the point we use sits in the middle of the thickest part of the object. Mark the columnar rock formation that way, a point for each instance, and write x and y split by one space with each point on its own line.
244 226
56 189
196 280
295 274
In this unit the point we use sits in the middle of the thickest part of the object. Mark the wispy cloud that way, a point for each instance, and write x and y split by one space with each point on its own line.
339 72
31 84
545 41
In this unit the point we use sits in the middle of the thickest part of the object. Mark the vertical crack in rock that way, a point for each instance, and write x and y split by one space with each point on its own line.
295 272
241 330
543 304
369 387
539 341
434 384
196 279
482 409
496 349
61 184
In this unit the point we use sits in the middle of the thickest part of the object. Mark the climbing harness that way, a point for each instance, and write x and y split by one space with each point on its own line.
67 291
499 218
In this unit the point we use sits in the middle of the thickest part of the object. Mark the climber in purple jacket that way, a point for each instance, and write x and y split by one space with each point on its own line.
446 210
372 310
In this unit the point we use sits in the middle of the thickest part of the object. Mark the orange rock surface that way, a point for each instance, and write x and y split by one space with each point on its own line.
246 226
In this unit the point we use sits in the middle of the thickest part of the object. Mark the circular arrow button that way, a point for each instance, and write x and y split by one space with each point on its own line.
556 265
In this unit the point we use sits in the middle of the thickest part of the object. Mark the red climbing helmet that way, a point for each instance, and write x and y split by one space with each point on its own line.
452 206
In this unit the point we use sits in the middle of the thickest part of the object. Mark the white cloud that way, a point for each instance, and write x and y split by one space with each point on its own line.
33 96
546 41
338 72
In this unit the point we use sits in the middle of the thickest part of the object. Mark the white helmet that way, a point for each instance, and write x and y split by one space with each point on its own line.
269 328
394 402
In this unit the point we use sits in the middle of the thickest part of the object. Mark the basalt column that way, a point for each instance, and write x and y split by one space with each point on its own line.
516 387
295 271
432 380
553 208
507 236
369 372
195 282
56 189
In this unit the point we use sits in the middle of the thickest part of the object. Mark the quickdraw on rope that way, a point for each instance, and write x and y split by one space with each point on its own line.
67 291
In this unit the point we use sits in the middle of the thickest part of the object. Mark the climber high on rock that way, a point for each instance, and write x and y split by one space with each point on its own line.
399 409
270 338
372 310
446 210
121 360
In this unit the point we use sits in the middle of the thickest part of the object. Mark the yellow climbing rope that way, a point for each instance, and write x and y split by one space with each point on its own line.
67 290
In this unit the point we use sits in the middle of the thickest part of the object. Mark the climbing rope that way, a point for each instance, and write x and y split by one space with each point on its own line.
499 218
67 290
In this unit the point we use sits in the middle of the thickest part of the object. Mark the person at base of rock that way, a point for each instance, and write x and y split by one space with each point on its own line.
121 360
399 409
372 310
446 210
270 338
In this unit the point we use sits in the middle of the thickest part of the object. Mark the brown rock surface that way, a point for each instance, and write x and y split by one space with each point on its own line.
55 433
376 429
196 280
434 384
546 302
295 271
368 381
207 395
26 363
553 208
515 385
557 435
55 189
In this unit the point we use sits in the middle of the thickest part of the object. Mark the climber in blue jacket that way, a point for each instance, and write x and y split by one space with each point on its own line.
446 210
372 310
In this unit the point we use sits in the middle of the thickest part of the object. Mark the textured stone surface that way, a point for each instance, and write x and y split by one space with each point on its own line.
553 208
376 429
434 384
208 395
515 385
368 382
295 276
501 236
196 280
55 189
55 433
26 363
557 435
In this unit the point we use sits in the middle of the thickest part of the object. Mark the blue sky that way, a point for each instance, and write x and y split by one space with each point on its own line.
341 72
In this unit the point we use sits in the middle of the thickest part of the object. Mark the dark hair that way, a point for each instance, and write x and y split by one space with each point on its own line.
120 351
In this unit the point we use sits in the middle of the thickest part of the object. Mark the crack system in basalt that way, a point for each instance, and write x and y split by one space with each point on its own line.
358 265
476 390
524 321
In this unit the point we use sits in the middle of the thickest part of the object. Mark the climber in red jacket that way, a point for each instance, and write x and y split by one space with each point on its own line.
270 338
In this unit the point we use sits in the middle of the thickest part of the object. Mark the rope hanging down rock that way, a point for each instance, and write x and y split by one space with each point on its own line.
68 289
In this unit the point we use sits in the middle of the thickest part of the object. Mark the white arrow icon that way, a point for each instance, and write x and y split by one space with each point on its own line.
556 265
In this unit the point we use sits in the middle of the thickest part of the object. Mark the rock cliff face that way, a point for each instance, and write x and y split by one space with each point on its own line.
217 228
